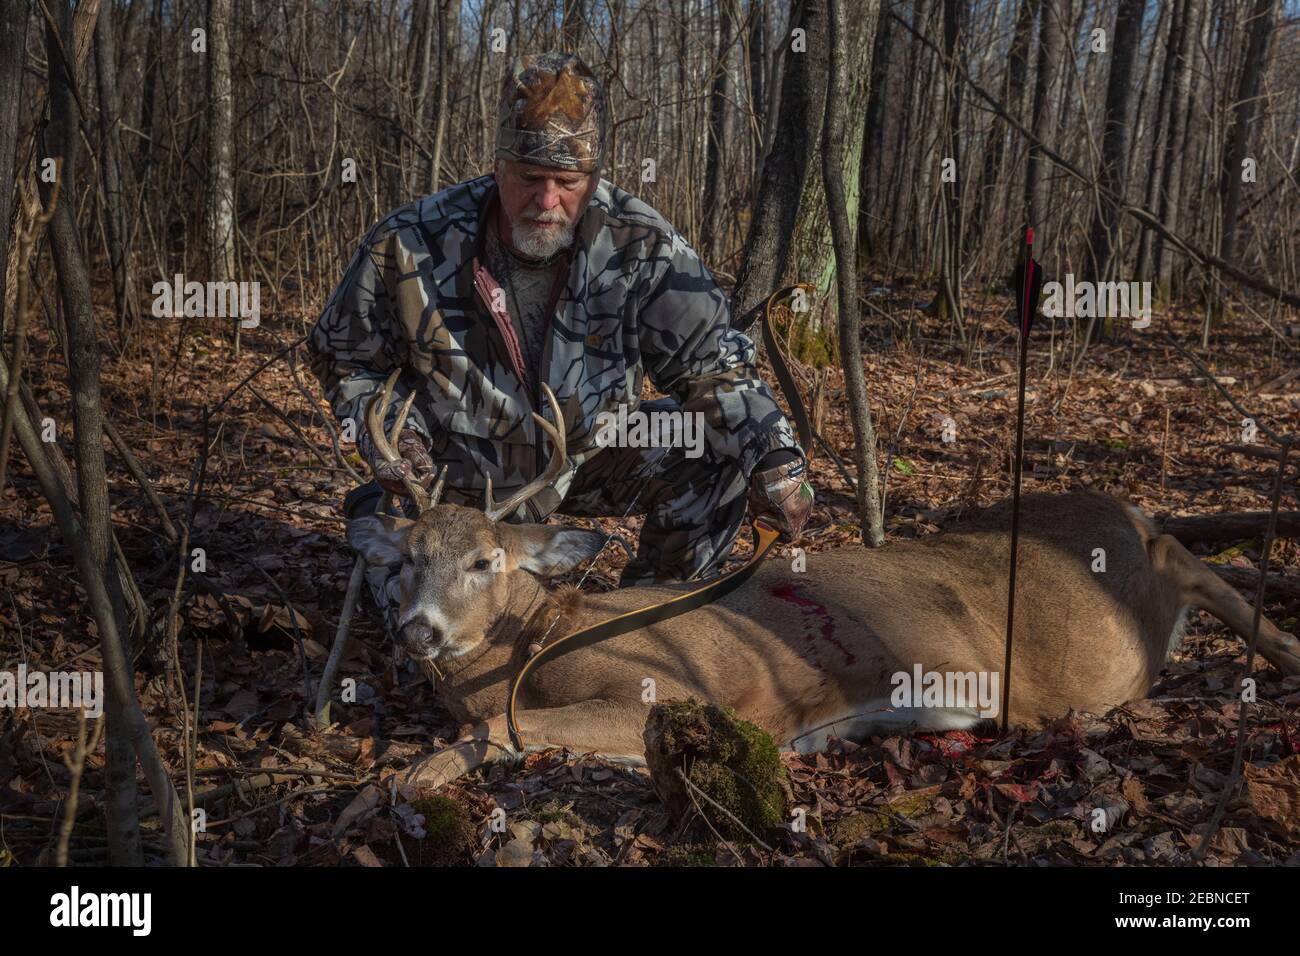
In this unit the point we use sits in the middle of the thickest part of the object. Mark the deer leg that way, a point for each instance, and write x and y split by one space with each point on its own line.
592 726
1201 587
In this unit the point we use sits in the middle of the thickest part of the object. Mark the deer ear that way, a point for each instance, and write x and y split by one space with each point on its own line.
549 551
380 539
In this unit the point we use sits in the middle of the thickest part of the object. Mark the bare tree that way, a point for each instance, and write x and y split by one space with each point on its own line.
812 257
1169 208
720 133
798 129
127 730
110 159
1013 92
221 188
1050 30
1125 40
873 142
950 184
1167 121
440 103
834 140
13 43
1238 145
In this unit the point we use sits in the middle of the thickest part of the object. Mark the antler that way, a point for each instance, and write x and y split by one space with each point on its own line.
376 410
556 465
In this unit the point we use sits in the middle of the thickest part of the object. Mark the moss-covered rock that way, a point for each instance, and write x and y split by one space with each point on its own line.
448 832
729 760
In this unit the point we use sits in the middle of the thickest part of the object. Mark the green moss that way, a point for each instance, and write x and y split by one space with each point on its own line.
865 823
687 854
730 761
1227 554
858 826
553 811
449 832
811 346
913 859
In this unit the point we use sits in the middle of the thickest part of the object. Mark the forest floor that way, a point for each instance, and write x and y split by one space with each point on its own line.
1135 419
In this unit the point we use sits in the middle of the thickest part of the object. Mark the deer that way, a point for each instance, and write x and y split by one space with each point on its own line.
1102 602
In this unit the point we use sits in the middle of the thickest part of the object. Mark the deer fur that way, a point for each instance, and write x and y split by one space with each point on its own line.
803 654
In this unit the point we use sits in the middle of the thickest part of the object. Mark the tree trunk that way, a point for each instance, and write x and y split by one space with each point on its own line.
1050 35
1013 92
777 53
834 146
1177 141
152 67
440 118
1165 131
571 25
82 341
13 43
1126 41
1237 146
221 189
110 150
719 135
812 258
873 137
757 91
898 181
798 129
950 186
424 17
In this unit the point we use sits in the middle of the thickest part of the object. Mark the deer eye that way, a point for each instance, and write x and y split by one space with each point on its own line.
482 564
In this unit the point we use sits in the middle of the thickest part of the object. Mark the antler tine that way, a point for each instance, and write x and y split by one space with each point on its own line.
400 423
553 470
436 494
376 409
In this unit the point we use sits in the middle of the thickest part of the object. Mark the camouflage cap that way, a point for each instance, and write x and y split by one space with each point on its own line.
552 114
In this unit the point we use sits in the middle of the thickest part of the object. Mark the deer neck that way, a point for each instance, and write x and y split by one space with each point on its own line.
474 685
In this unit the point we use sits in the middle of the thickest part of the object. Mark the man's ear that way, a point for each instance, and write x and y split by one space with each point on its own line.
380 539
549 550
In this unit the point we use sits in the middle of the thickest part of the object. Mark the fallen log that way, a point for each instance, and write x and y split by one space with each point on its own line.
1279 381
1275 585
1257 451
1231 526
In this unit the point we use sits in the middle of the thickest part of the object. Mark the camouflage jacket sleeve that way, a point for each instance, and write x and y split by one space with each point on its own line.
358 341
689 351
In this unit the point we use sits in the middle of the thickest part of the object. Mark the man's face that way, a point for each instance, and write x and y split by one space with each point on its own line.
542 205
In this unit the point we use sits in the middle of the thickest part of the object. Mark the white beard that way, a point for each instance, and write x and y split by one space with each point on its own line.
539 243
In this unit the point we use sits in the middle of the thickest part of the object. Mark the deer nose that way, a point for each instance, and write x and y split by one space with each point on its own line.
420 634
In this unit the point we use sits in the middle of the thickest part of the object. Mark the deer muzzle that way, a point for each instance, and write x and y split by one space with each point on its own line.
421 637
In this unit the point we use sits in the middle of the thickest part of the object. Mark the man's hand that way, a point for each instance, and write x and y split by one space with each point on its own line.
414 462
780 494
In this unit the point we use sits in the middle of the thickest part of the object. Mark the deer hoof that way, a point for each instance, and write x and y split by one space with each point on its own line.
1282 651
431 772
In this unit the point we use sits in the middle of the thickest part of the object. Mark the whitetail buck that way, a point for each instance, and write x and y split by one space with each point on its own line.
802 654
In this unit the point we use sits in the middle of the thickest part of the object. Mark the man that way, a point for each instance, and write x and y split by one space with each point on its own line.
544 272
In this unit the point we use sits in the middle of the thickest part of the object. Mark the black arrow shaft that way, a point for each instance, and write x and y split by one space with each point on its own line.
1015 481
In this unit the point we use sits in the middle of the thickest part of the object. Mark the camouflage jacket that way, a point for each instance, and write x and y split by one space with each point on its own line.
635 300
